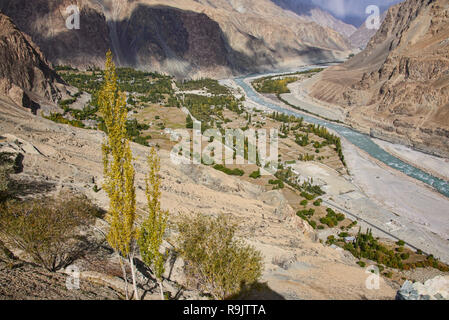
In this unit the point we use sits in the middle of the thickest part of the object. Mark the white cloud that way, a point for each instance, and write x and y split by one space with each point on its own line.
344 8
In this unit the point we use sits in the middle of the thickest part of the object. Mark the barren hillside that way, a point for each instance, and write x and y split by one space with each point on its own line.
59 157
361 37
24 71
307 10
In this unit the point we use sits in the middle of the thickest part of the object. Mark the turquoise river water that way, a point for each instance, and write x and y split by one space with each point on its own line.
360 140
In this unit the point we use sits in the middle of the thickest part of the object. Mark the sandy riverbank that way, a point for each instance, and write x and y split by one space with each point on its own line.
438 167
424 213
408 198
298 97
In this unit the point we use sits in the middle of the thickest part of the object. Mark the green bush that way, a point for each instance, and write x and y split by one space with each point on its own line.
400 243
59 118
142 140
332 218
405 256
255 174
48 229
305 214
215 261
304 203
234 172
331 240
312 224
278 183
308 196
211 85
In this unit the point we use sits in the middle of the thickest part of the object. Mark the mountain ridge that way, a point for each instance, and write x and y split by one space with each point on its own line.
314 13
234 38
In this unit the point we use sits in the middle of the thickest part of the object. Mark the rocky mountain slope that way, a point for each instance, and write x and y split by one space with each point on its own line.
361 37
183 37
307 10
25 74
398 87
58 157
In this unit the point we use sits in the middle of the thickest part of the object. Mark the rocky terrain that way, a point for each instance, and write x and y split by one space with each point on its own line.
397 89
25 74
186 38
53 158
306 9
433 289
58 157
361 37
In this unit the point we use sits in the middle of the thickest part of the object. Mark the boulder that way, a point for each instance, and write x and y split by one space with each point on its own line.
433 289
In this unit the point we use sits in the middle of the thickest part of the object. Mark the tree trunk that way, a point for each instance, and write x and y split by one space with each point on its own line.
124 277
162 290
133 273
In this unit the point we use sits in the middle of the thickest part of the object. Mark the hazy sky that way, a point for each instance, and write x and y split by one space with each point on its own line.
352 9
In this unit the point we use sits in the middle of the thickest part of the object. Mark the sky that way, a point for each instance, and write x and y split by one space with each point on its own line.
352 11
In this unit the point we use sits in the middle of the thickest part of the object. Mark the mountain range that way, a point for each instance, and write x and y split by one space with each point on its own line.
184 37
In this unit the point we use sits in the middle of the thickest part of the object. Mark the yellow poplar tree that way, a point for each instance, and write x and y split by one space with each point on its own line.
119 172
153 228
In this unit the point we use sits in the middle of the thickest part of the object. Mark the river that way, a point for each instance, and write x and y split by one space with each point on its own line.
360 140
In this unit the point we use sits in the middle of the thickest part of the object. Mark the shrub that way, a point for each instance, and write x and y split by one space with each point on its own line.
361 264
234 172
255 174
215 261
141 140
305 214
277 183
6 168
405 256
304 203
330 239
400 243
46 229
318 202
308 196
59 118
329 222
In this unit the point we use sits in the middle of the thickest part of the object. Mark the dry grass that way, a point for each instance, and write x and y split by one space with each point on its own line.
48 230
